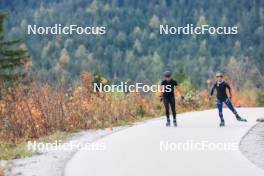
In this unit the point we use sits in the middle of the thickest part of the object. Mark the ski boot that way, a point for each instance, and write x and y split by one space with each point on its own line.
222 123
240 118
175 123
168 124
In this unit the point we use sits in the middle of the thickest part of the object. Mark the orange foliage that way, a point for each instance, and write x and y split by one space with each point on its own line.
37 110
1 171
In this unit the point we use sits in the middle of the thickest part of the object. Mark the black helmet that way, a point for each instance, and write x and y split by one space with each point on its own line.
167 73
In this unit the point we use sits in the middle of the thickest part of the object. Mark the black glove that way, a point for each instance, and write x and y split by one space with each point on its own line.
161 98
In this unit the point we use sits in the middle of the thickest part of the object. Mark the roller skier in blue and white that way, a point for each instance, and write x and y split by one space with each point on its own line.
221 87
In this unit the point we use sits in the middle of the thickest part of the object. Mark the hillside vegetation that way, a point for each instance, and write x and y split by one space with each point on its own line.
132 49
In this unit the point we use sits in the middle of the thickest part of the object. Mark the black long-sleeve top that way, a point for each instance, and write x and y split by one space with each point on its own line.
221 89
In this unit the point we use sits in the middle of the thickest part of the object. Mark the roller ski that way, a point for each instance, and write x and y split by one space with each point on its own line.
175 123
240 119
222 123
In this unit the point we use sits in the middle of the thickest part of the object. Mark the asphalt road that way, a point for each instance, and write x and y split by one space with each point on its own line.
198 146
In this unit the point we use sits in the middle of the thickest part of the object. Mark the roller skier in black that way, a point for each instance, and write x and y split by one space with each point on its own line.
168 97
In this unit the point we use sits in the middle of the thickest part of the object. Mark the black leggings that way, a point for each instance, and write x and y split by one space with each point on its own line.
169 101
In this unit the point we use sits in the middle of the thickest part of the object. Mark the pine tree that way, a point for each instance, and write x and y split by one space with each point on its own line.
12 59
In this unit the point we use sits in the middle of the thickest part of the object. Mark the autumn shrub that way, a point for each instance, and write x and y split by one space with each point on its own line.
32 111
194 100
260 98
35 110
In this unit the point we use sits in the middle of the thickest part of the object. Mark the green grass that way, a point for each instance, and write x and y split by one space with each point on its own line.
14 151
9 151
